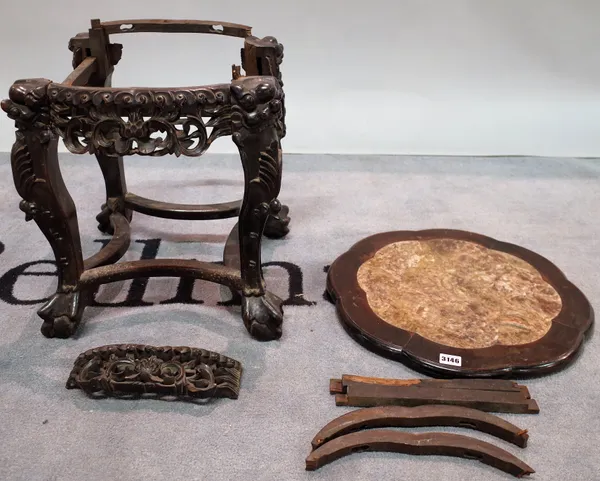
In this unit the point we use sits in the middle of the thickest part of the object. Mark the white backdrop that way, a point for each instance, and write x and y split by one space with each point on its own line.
471 77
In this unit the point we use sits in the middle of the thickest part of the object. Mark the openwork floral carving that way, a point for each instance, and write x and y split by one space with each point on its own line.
135 369
139 121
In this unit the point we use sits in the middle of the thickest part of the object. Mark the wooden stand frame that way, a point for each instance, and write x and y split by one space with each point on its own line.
92 117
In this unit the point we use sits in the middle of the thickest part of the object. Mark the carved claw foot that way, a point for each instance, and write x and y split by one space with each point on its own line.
62 314
263 316
62 327
278 221
103 219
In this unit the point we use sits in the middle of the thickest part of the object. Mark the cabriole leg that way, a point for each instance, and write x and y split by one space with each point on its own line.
256 126
46 200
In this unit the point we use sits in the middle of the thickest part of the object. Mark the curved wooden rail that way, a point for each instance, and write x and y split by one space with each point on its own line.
116 247
177 26
168 210
421 416
420 444
162 268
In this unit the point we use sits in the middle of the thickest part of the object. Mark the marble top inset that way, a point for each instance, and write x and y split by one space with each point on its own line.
459 293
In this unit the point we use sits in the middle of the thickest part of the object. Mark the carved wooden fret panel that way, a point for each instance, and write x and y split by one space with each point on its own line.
136 369
140 121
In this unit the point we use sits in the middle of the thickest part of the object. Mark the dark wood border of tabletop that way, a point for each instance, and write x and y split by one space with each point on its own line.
555 350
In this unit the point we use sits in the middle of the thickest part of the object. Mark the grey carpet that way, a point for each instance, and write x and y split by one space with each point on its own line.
50 433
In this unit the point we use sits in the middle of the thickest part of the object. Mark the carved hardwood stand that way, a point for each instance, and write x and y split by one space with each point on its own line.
91 117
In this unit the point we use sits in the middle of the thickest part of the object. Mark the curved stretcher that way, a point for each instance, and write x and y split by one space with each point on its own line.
420 416
420 444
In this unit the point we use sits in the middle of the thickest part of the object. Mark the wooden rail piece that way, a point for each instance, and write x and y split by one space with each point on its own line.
99 47
177 26
420 444
168 210
116 247
162 268
81 75
421 416
485 395
363 395
478 384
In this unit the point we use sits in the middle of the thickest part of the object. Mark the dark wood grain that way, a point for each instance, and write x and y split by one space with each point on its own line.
162 268
444 444
470 384
81 75
556 349
484 394
176 26
368 395
169 210
116 247
421 416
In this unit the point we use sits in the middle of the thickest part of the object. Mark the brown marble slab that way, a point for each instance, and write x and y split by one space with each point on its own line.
459 293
